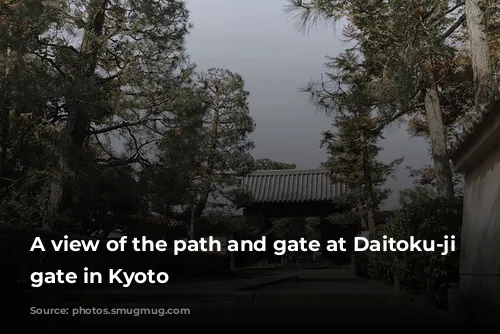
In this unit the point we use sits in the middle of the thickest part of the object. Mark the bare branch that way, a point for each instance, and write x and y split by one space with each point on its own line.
454 27
120 126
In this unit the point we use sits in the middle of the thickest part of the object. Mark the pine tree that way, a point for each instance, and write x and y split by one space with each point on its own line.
121 70
479 15
403 42
203 156
348 96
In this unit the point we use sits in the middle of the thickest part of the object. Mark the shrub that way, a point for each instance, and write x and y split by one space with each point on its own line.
380 264
428 273
360 262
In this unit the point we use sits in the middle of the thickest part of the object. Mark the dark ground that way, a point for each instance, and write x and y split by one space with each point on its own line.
331 296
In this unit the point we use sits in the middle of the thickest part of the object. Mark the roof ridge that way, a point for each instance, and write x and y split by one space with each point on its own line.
288 171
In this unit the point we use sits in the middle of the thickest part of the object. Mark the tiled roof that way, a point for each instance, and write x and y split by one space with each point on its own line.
291 186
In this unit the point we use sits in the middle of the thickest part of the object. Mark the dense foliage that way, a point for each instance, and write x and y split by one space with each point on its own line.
425 218
105 116
418 61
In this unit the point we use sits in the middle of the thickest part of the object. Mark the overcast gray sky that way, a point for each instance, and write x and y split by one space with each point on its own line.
256 39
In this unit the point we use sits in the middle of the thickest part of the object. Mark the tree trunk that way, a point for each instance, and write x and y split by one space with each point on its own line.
57 187
370 217
480 53
437 136
5 112
200 205
75 132
364 225
367 174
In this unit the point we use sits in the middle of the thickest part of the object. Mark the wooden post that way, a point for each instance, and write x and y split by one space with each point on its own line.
233 260
269 242
323 234
191 226
231 254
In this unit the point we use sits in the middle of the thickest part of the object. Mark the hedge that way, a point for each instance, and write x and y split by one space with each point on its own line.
426 273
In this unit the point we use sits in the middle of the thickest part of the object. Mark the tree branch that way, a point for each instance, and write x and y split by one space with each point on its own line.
452 9
119 126
54 65
401 113
454 27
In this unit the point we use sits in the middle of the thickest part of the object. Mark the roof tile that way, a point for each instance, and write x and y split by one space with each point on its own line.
291 186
